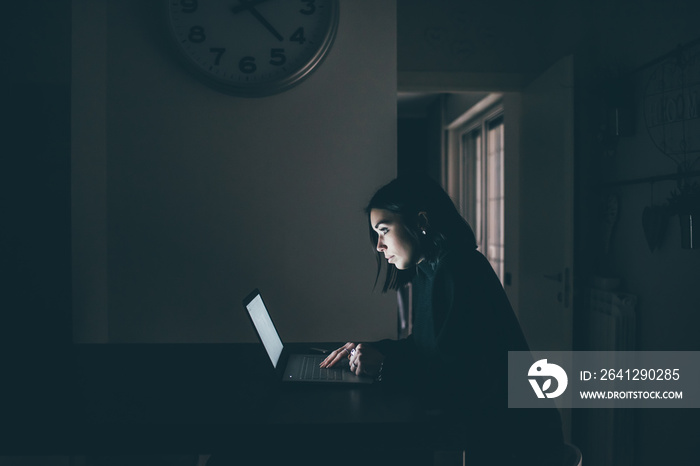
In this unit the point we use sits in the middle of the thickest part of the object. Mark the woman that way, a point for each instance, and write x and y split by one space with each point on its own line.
463 328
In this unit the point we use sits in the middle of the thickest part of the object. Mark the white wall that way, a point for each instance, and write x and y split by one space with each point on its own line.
184 199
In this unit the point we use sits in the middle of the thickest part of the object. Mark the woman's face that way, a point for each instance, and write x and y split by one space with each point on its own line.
393 240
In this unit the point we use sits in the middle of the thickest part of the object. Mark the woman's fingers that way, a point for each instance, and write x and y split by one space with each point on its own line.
331 359
338 355
355 357
356 368
363 359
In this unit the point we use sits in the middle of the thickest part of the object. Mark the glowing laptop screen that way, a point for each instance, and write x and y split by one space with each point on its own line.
266 329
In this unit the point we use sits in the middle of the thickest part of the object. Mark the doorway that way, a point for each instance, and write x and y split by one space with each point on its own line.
537 192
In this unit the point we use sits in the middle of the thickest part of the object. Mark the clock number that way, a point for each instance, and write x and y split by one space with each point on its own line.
197 34
310 7
298 36
189 6
277 57
219 52
247 65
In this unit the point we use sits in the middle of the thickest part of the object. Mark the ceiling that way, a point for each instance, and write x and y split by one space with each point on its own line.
415 104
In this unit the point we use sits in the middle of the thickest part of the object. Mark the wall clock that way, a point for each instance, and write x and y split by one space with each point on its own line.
253 48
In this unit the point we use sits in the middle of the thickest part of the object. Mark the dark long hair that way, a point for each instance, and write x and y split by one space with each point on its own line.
408 196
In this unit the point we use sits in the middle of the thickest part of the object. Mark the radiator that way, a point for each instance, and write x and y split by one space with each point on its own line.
611 321
611 327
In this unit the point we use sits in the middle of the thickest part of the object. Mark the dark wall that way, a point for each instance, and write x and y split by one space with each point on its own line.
613 67
412 145
419 143
35 218
35 233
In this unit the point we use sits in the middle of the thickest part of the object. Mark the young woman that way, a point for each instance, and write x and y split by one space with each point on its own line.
463 328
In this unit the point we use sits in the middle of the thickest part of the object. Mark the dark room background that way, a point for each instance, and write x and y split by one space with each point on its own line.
139 206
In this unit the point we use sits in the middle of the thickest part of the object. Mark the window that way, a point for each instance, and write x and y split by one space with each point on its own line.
481 182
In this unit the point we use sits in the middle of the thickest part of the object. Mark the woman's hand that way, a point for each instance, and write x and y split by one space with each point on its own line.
337 355
364 359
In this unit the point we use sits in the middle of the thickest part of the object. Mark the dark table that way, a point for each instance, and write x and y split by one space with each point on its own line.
188 398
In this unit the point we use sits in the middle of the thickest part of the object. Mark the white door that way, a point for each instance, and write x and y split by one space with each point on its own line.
545 213
544 234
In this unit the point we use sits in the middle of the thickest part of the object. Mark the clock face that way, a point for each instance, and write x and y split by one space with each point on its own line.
253 47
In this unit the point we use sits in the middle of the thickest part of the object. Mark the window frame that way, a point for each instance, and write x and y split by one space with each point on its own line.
472 178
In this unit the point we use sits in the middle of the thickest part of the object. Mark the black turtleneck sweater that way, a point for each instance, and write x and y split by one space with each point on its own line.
457 354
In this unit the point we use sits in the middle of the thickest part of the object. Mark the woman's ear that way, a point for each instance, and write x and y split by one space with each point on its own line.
423 222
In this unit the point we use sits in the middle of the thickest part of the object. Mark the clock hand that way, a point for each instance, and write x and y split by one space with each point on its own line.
246 5
249 6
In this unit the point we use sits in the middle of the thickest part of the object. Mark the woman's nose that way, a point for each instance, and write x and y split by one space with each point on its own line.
380 245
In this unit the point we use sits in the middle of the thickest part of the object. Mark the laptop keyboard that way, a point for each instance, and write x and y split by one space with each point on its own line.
311 371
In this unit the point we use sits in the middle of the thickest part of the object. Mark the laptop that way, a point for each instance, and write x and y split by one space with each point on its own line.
294 367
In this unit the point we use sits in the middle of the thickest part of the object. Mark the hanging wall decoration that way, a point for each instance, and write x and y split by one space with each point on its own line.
672 117
672 108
